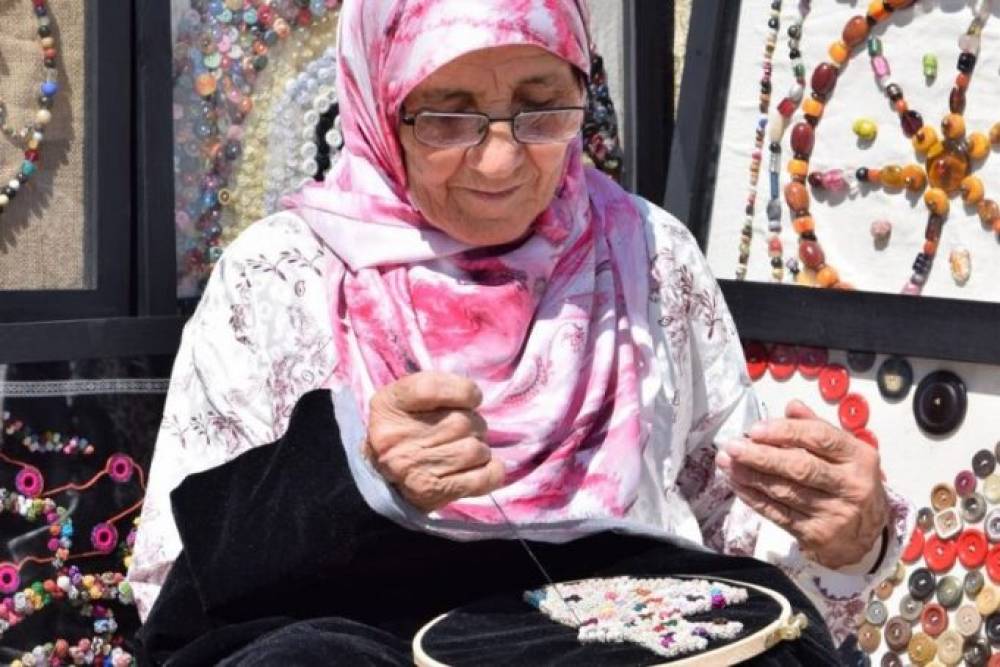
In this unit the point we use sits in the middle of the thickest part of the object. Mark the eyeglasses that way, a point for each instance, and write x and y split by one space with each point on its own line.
462 130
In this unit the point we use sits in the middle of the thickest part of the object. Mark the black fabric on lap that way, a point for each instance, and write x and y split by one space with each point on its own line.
281 534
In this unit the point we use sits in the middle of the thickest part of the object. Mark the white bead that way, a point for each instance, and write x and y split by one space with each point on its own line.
43 116
14 184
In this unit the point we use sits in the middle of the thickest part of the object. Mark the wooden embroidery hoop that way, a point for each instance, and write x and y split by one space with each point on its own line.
786 627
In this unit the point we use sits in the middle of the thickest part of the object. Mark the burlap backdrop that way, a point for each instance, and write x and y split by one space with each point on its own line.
43 232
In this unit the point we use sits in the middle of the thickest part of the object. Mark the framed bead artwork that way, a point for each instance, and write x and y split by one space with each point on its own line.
838 164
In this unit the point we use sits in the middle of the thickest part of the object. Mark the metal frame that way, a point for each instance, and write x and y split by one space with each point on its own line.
108 114
133 311
648 116
954 329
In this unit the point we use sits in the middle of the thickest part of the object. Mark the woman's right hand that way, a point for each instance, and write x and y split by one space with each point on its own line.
426 438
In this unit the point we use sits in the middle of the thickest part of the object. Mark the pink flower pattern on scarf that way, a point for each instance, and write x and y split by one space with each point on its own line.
543 326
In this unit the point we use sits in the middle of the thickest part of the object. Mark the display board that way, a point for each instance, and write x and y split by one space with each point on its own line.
733 158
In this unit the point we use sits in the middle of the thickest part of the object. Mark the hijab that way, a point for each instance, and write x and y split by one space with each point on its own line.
551 329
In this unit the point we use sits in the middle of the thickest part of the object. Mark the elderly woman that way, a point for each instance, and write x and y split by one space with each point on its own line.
503 334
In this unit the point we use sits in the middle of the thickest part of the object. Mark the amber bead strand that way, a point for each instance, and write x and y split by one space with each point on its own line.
822 82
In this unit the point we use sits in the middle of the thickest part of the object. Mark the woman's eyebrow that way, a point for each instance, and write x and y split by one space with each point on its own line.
437 96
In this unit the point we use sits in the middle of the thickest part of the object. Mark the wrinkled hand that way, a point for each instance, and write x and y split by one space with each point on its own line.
816 481
426 438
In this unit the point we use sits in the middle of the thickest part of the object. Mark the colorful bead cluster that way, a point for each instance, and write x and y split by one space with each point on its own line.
942 616
83 593
30 137
648 612
221 49
746 236
15 430
600 128
948 161
88 594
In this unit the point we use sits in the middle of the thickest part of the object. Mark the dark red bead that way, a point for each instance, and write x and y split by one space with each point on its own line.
956 101
811 255
816 180
786 107
824 78
911 122
803 139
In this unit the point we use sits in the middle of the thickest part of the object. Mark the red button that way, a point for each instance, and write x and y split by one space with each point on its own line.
941 554
864 435
972 548
834 383
933 619
853 412
783 361
756 355
914 548
993 564
994 660
812 360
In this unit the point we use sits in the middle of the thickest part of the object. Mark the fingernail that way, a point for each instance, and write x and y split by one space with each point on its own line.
733 447
758 430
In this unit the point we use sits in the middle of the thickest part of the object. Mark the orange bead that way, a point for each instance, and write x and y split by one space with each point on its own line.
892 176
972 190
797 197
804 224
827 276
936 200
812 107
962 81
855 31
874 176
205 84
930 248
899 4
914 177
900 106
995 134
839 52
925 138
877 10
979 145
841 285
798 167
953 126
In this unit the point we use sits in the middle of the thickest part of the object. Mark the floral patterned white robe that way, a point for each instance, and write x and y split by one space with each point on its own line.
260 338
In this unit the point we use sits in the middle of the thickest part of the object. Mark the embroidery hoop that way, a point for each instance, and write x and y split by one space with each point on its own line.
786 627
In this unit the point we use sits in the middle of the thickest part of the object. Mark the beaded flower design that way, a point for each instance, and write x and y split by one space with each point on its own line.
647 612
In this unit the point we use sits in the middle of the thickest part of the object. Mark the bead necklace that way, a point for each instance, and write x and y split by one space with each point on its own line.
648 612
30 137
776 130
746 236
50 441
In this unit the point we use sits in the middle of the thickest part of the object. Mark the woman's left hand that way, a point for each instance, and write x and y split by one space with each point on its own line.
821 484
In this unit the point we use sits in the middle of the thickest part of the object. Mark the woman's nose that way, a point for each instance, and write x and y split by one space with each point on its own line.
499 155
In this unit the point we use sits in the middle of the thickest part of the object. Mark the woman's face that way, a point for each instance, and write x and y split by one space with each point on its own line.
489 194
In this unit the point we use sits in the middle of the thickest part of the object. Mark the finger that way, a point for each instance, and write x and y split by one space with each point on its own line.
782 515
805 499
476 482
448 425
432 390
814 435
796 465
455 457
796 409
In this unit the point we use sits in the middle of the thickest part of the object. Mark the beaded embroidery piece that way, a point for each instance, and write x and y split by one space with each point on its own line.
648 612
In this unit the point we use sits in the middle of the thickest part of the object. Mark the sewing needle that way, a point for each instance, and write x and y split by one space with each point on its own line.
538 563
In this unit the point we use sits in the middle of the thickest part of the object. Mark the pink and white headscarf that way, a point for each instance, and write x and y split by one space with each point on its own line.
547 328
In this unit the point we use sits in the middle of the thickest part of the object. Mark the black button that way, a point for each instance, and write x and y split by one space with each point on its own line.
984 462
925 519
895 377
940 403
992 625
973 583
891 660
922 583
977 652
860 361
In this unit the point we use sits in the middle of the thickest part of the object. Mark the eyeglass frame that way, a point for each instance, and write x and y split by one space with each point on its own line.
411 120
